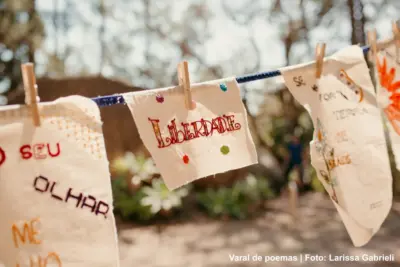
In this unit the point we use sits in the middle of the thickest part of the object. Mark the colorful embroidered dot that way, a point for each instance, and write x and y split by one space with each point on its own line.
223 87
160 98
224 150
185 159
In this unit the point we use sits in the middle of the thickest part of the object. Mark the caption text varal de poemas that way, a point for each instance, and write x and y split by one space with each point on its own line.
313 258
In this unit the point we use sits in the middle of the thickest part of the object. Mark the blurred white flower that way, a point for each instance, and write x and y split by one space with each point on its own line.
251 180
142 169
136 180
124 163
146 168
158 197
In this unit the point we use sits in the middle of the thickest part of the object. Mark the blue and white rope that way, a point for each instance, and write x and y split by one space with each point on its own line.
103 101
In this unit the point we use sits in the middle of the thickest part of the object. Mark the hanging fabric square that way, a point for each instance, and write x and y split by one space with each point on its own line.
185 144
348 150
387 73
55 189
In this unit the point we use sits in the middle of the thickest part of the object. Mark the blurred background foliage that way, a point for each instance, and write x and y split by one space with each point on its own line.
140 194
141 42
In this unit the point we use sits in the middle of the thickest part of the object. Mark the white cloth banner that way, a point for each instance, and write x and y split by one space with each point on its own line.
189 144
348 150
55 189
387 73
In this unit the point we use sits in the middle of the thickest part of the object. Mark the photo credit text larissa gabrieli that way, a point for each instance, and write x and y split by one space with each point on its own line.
313 258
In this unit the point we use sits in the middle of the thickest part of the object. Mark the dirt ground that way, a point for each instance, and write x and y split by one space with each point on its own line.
317 231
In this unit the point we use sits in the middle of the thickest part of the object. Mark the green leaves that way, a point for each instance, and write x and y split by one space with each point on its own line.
145 196
129 205
239 201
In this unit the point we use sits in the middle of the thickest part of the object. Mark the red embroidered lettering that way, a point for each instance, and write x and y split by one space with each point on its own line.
197 131
233 126
157 132
188 135
37 151
218 124
177 136
207 131
192 130
57 153
26 152
2 156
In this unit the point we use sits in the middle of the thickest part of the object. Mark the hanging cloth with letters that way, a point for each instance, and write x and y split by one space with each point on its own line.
348 150
387 73
55 189
187 145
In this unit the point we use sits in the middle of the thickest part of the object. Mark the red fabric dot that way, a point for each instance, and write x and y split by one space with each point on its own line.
160 98
2 156
185 159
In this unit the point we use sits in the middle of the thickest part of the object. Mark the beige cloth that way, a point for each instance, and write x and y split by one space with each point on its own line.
348 150
387 73
55 190
187 145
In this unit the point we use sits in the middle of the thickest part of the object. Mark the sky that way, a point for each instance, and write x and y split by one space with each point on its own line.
227 47
226 34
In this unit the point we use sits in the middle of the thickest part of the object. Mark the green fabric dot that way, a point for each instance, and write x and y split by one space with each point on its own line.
223 87
224 150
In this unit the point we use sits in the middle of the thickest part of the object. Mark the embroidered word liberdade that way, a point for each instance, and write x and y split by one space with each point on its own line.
188 131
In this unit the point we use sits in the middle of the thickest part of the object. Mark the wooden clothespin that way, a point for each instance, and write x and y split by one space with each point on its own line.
373 48
319 59
30 88
396 37
184 82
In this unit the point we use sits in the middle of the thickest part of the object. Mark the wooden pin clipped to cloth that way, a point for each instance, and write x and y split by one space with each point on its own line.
184 82
319 59
396 37
30 88
373 47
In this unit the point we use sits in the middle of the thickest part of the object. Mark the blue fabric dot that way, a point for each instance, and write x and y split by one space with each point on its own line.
223 87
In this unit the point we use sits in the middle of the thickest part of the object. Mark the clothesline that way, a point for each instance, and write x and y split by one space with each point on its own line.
103 101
